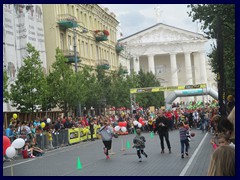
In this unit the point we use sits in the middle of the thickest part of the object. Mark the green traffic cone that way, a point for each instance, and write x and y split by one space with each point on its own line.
128 145
151 135
79 164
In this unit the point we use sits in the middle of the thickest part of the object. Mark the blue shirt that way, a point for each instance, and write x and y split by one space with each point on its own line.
9 132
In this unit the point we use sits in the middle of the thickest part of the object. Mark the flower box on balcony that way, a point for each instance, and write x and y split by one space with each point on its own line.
104 66
119 48
71 60
66 21
101 35
101 38
125 71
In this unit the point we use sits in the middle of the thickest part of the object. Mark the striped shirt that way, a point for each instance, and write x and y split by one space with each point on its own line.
183 133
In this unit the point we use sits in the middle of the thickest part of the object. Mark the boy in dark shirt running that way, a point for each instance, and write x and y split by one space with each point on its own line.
139 144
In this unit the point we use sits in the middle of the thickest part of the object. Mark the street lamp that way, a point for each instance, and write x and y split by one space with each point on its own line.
84 30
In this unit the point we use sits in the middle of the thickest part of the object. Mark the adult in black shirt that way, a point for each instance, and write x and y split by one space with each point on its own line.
162 124
91 125
190 119
137 116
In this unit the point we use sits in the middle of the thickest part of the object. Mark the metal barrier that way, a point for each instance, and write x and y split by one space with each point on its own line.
41 140
62 137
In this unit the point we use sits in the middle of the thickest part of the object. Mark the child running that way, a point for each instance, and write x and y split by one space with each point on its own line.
106 132
139 144
183 139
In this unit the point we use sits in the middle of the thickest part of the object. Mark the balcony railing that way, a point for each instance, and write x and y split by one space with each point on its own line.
101 38
119 48
69 54
66 21
104 64
125 70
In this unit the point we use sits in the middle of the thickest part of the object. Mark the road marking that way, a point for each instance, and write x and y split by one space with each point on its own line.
192 157
18 163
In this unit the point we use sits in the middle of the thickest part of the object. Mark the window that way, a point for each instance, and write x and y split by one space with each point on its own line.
99 53
62 9
81 17
86 46
69 42
11 70
68 9
77 15
82 49
62 41
73 41
90 22
91 52
107 55
73 11
79 46
85 20
58 9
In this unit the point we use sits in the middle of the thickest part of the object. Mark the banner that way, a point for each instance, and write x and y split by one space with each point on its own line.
73 135
169 88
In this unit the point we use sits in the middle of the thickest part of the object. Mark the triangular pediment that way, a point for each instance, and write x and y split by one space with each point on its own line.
162 33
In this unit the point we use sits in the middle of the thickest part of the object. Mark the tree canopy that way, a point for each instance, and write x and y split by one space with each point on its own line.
29 89
207 14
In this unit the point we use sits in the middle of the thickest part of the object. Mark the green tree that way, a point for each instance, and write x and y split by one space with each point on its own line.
207 14
104 83
85 87
92 86
61 82
149 99
5 86
119 90
30 87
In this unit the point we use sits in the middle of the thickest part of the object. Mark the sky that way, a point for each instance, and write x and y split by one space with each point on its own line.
136 17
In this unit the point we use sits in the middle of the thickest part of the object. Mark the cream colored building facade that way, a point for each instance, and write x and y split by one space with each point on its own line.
175 56
90 17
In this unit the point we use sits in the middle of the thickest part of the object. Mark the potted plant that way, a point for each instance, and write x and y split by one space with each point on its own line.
101 35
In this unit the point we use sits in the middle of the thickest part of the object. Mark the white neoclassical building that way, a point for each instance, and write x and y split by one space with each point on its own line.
22 24
175 56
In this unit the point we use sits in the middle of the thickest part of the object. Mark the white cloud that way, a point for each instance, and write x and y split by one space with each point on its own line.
144 14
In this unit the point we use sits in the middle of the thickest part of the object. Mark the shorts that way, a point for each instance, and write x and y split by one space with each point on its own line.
108 144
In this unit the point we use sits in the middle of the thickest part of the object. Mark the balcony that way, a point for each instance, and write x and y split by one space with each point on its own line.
119 48
101 35
104 64
101 38
69 54
125 70
66 21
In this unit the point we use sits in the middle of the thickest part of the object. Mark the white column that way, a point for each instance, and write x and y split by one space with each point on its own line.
174 71
151 65
136 64
196 67
188 68
203 71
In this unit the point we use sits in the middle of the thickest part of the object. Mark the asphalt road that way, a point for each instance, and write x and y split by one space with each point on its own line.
122 162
